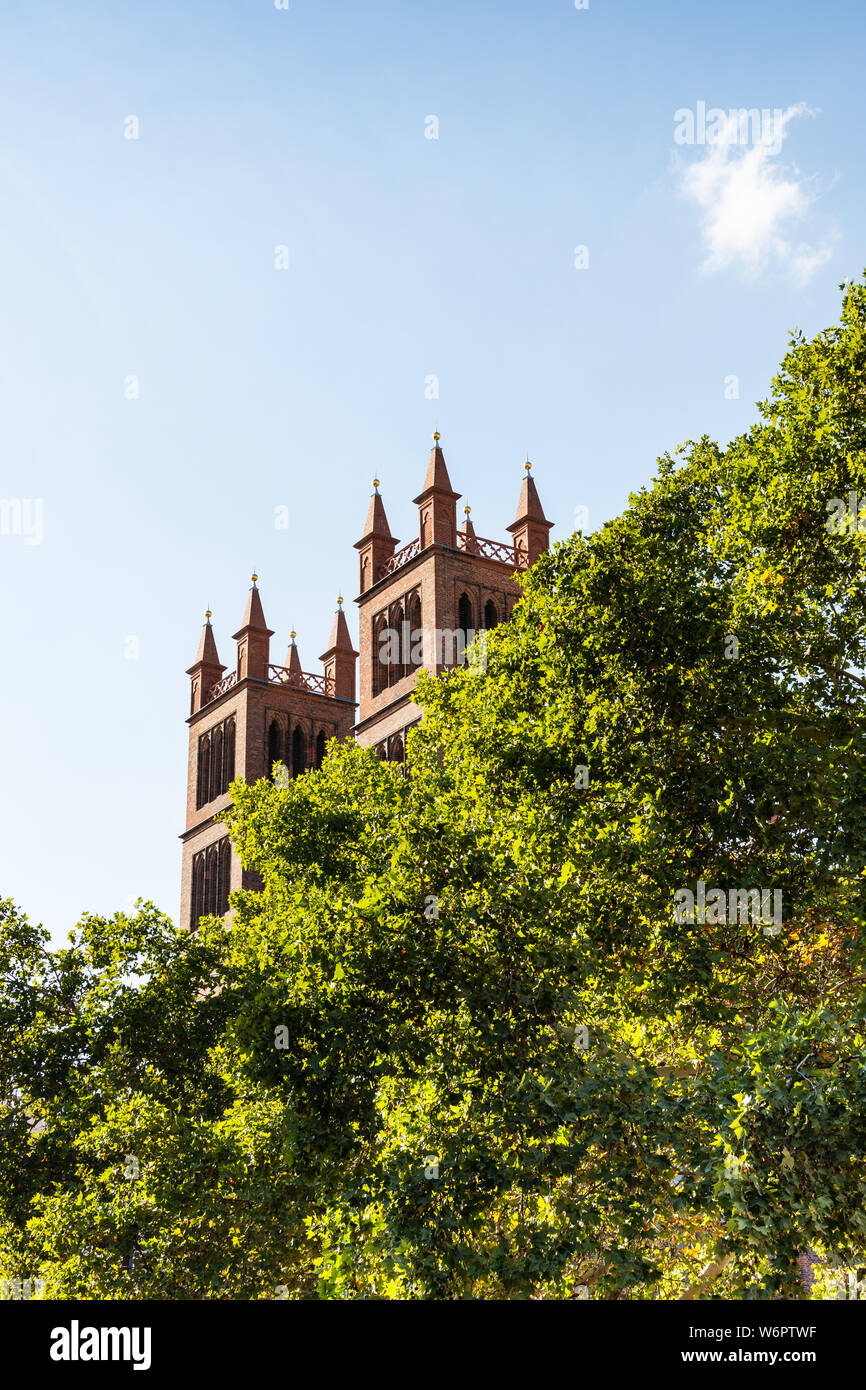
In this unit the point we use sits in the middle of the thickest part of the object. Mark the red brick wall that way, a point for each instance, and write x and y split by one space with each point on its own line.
441 575
254 704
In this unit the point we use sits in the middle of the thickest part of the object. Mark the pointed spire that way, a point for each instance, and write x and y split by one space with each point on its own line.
340 640
437 473
530 528
377 522
254 617
293 660
529 507
207 652
467 531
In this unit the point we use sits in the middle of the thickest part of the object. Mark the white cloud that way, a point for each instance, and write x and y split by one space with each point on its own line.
750 202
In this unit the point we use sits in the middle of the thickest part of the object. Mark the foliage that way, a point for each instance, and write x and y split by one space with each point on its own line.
413 980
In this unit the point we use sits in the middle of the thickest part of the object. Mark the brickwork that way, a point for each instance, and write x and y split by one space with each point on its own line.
439 575
438 570
257 704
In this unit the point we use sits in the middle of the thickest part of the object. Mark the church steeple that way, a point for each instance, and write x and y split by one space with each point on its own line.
207 669
377 545
530 528
253 638
437 502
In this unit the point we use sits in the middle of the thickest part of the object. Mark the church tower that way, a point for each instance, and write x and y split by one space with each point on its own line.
422 606
243 723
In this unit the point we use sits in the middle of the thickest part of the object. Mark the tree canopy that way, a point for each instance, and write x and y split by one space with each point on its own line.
462 1044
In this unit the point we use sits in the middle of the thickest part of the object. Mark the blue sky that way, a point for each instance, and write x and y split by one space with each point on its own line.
408 258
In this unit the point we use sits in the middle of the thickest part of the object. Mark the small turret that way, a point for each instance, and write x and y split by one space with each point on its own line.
253 639
377 545
340 658
207 668
437 502
530 528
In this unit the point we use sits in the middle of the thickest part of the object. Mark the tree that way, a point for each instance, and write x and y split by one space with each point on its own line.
465 1042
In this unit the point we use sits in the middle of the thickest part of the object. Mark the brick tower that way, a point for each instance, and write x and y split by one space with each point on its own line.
419 606
239 726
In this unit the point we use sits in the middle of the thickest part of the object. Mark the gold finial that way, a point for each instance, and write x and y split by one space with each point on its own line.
437 436
466 510
527 464
208 614
376 484
339 600
293 634
254 578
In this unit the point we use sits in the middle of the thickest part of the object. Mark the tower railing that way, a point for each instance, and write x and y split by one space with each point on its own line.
222 686
400 558
489 550
472 545
279 675
301 680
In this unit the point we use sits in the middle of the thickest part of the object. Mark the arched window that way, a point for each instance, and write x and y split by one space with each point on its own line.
203 783
274 747
382 752
299 752
396 753
465 624
225 863
395 668
320 749
216 763
491 617
413 617
380 647
211 879
229 754
198 870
